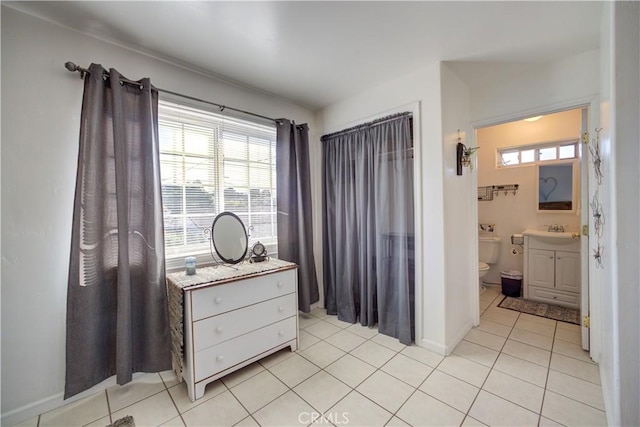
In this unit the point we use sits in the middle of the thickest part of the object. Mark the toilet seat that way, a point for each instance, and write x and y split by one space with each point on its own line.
482 266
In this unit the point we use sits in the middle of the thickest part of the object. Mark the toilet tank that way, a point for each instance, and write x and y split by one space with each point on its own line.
489 249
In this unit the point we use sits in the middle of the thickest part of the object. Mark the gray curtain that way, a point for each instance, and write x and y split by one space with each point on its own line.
117 321
295 235
368 226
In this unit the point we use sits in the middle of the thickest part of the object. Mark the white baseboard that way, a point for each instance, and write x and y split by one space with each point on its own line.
456 340
433 346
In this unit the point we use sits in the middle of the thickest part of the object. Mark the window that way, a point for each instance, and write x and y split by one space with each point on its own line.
209 164
538 153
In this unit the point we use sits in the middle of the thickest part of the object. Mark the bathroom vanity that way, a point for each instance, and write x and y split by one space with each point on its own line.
226 317
552 267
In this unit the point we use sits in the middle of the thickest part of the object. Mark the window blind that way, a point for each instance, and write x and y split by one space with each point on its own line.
212 163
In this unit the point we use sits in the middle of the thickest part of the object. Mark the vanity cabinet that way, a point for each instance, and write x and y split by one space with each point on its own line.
227 317
552 271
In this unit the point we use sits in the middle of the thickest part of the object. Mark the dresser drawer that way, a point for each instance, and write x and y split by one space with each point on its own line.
553 296
223 356
230 296
217 329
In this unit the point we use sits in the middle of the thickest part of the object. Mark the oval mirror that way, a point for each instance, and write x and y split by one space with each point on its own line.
229 237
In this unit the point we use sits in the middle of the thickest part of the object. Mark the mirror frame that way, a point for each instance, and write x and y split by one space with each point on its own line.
575 187
245 238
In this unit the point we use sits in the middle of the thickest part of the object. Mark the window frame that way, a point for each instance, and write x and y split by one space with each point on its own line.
537 147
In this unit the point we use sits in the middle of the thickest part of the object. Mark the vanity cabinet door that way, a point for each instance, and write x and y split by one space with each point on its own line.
568 271
541 268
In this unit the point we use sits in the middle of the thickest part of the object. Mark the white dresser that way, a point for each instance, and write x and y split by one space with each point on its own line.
227 317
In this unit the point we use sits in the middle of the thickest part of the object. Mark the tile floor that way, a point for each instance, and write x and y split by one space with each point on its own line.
514 369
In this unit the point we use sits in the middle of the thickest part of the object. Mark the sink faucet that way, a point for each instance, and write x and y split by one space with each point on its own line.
556 228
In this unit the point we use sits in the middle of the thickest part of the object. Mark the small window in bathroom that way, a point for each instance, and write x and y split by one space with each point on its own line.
510 157
547 154
527 156
567 151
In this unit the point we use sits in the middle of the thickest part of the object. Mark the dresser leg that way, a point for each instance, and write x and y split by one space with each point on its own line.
199 390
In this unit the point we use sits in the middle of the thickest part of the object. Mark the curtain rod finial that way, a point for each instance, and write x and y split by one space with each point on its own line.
70 66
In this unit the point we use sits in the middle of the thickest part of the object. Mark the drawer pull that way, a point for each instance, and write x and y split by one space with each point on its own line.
280 284
281 333
280 309
220 358
217 300
219 329
551 257
555 297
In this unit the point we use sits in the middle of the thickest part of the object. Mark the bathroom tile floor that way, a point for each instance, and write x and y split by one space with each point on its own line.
514 369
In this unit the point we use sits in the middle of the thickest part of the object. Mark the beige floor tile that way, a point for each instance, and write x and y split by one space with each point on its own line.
287 410
538 319
477 353
306 320
174 422
397 422
385 390
522 369
540 328
570 366
78 413
247 422
471 422
350 370
33 422
465 370
536 340
322 354
450 390
258 390
140 388
363 331
322 391
180 395
406 369
569 335
576 389
485 339
336 322
390 342
105 421
500 315
423 355
152 411
357 410
222 410
423 410
294 370
546 422
569 326
570 412
276 357
495 411
169 378
319 312
571 350
345 340
515 390
243 374
527 352
306 340
494 328
373 353
322 329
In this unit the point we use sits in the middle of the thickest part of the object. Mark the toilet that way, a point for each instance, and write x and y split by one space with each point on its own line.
488 253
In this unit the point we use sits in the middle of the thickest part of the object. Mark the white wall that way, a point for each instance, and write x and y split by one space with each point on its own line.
40 123
513 214
461 265
423 86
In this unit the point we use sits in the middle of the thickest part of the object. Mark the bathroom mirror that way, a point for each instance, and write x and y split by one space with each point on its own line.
557 188
229 237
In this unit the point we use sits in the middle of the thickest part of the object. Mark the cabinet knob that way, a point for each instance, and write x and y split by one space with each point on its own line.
555 297
281 309
551 257
558 257
218 300
219 329
280 284
281 333
220 358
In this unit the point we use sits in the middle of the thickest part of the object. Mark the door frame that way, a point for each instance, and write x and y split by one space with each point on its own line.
589 287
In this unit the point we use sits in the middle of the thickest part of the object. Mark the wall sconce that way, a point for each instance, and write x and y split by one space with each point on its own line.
463 155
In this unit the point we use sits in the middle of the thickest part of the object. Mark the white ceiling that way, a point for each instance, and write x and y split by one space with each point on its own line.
318 52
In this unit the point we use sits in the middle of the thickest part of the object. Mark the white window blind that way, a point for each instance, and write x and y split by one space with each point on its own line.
212 163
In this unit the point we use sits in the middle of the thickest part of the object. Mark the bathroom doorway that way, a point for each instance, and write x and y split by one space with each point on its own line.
514 194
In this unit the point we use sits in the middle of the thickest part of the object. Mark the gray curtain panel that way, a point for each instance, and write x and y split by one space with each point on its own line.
368 226
117 319
295 235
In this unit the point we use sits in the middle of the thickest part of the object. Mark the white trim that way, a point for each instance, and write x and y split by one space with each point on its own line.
456 340
433 346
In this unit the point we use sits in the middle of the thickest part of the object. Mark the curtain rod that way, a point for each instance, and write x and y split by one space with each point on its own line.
73 68
366 125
